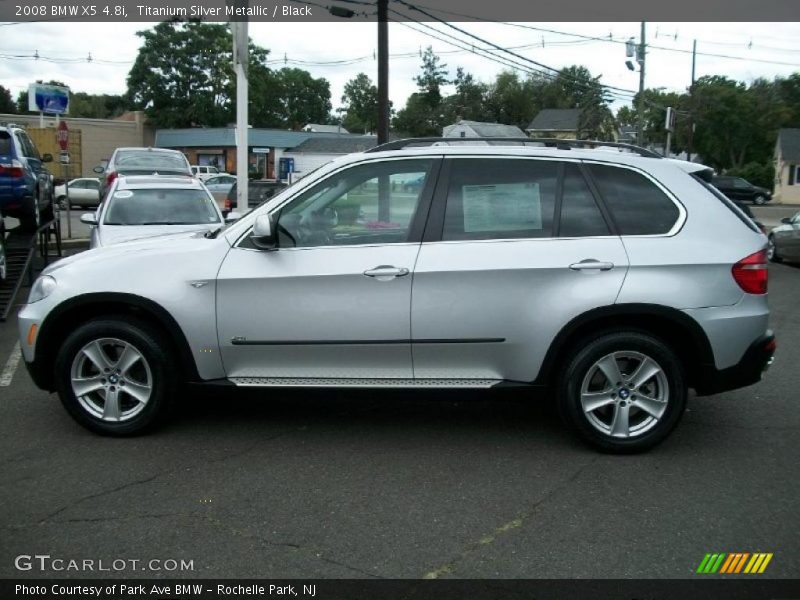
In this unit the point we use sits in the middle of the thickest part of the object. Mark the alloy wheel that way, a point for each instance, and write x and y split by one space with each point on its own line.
111 379
624 394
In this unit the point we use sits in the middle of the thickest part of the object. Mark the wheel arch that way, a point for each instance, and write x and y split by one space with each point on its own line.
675 328
64 318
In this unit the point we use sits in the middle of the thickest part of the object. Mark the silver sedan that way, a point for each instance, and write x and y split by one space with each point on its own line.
784 240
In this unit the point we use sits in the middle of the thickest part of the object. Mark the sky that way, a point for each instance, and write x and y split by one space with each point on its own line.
758 50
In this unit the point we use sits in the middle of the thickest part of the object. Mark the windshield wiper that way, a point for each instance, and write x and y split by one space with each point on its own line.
168 223
212 234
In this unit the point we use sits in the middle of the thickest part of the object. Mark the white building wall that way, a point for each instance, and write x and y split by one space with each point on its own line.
304 163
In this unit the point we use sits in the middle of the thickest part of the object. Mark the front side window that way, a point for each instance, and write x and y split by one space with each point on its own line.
160 207
637 205
367 204
500 199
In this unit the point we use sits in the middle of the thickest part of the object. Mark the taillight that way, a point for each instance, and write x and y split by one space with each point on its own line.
12 169
751 273
111 177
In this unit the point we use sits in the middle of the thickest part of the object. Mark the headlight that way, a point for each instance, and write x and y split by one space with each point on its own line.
41 289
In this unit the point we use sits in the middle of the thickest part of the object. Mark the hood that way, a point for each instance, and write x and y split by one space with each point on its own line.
108 235
154 247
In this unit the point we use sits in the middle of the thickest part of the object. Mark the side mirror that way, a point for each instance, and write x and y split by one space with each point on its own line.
47 158
99 169
89 218
787 220
263 237
232 216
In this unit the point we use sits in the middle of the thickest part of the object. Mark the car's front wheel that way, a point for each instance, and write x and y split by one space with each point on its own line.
623 392
760 199
116 376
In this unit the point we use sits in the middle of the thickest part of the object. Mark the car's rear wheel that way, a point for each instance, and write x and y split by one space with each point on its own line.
30 219
116 376
3 259
623 392
760 199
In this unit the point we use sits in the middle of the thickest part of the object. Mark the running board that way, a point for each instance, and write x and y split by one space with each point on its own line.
361 383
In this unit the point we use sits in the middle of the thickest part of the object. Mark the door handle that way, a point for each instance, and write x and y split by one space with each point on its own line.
591 264
386 271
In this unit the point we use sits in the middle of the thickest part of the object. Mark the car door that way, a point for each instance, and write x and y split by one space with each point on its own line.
514 249
92 192
333 300
77 192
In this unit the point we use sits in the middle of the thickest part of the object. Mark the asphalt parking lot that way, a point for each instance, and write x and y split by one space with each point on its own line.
409 485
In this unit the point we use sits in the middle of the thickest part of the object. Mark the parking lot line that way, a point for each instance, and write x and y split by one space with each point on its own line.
11 366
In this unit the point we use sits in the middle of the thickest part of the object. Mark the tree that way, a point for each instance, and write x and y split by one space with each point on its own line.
360 100
302 98
432 78
6 103
513 101
468 101
728 124
424 114
575 87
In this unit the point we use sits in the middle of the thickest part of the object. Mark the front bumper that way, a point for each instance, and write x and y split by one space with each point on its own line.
747 371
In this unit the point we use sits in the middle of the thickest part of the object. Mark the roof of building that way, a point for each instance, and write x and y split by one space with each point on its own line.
199 137
556 119
789 143
336 144
316 127
487 129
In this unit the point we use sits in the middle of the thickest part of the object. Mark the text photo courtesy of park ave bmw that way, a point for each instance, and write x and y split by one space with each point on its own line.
399 299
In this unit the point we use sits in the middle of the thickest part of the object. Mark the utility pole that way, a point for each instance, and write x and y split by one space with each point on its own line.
383 71
691 105
241 58
642 52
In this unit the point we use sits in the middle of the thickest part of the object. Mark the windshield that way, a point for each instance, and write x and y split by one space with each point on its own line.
147 159
161 207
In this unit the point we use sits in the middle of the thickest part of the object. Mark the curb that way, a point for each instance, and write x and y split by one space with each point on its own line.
74 243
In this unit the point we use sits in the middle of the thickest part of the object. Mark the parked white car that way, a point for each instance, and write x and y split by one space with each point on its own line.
204 172
147 206
83 192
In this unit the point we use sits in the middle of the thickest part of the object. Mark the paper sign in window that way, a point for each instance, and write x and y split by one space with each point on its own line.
502 207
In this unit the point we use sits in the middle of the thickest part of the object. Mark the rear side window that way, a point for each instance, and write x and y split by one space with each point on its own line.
500 199
637 205
729 204
5 143
580 215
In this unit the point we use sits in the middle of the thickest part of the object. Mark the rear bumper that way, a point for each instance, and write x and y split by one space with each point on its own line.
747 371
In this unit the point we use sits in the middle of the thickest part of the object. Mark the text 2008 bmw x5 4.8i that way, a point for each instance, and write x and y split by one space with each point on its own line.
614 281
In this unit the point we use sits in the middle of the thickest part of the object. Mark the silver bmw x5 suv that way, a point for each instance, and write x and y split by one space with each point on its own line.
607 277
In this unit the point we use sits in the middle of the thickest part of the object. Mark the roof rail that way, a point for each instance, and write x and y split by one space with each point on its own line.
549 142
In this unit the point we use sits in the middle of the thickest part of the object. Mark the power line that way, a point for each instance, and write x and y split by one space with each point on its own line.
609 39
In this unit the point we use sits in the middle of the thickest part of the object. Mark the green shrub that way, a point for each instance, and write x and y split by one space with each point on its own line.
760 174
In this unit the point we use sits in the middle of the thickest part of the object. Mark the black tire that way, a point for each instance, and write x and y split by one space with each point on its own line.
3 257
772 250
157 368
582 369
30 219
48 211
759 199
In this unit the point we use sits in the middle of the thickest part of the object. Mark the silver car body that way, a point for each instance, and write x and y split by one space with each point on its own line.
103 234
786 239
447 313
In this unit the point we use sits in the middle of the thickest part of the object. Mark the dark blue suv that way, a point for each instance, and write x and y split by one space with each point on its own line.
26 186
